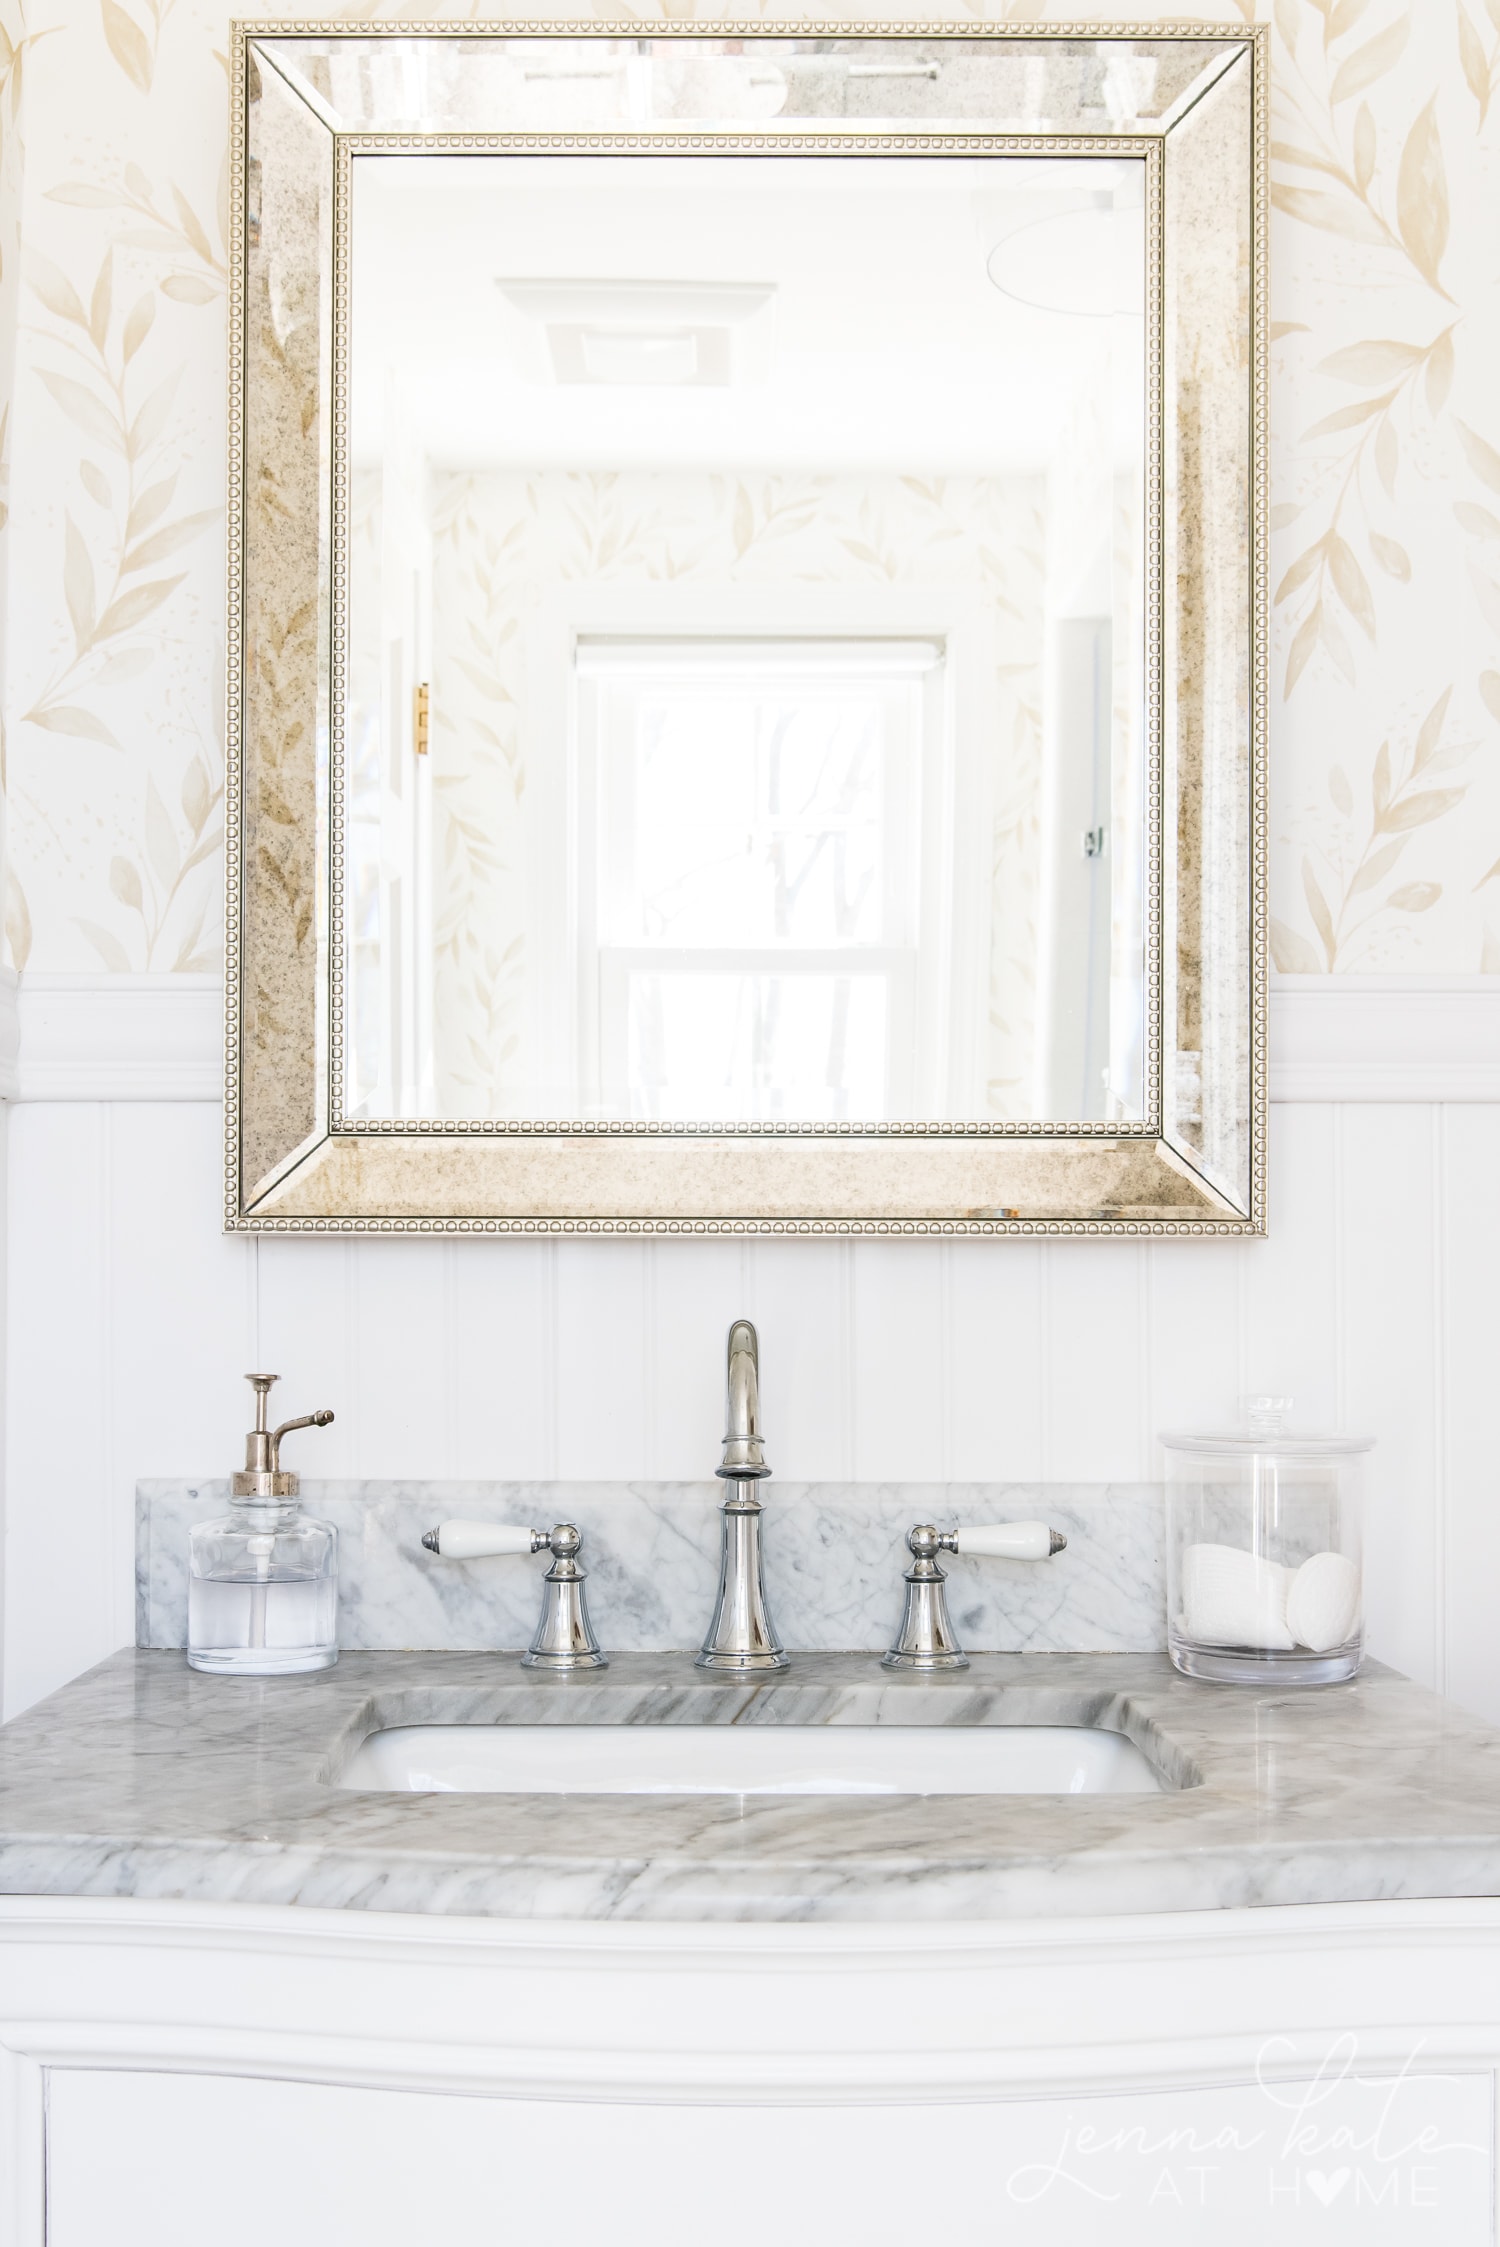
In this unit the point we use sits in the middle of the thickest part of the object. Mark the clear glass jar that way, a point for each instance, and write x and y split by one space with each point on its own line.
1264 1577
263 1590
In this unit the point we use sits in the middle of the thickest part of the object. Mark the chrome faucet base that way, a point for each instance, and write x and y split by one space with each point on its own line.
899 1660
711 1660
564 1637
926 1639
741 1635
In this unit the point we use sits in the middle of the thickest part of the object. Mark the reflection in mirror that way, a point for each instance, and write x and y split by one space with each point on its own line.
745 706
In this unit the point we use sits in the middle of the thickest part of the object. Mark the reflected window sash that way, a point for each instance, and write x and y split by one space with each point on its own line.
621 968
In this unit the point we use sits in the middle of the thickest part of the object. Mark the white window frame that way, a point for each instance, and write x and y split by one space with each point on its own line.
612 673
607 671
951 988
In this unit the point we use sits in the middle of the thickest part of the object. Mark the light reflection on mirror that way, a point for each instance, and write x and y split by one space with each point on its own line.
760 542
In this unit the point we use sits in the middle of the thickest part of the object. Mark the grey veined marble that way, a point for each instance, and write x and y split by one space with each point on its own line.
834 1557
148 1779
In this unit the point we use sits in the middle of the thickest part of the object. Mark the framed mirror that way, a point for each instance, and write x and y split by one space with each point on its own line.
747 691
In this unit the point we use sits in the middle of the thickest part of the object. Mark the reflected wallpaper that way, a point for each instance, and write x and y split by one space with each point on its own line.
506 543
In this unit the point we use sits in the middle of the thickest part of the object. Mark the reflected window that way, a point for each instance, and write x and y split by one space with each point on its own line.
778 530
750 838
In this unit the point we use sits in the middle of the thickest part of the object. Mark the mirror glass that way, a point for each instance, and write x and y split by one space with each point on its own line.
745 710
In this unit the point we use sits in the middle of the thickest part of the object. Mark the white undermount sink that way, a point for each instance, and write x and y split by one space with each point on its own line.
788 1759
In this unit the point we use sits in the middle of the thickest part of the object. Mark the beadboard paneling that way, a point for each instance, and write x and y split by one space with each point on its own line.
1466 1316
1374 1302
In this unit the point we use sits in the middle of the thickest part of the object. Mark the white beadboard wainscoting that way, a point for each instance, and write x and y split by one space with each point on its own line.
1376 1302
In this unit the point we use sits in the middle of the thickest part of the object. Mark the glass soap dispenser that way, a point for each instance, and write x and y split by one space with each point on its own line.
263 1578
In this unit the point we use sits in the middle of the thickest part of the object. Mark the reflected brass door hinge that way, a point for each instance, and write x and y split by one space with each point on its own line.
421 718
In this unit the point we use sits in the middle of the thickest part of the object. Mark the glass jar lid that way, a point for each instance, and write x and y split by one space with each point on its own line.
1266 1426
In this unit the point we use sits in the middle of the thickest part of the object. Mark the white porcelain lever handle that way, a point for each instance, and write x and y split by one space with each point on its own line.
479 1540
1009 1540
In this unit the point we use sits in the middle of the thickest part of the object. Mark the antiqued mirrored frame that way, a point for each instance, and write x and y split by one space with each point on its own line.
307 98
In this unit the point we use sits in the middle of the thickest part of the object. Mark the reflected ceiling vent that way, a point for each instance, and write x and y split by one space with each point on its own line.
650 334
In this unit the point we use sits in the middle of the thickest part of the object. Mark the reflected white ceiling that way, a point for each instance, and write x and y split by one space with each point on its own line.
792 313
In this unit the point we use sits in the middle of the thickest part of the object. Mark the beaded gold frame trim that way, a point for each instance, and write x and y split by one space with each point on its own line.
275 1202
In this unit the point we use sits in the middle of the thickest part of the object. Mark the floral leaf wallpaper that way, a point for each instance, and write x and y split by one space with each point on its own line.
1386 588
116 789
1385 473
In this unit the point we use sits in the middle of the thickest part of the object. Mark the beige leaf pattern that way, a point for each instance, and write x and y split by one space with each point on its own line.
1422 196
78 585
127 458
134 47
1347 897
1372 363
1438 380
1316 207
1482 456
1386 479
18 930
82 725
1368 64
100 404
1352 584
1359 160
1481 64
1292 954
1476 63
1393 559
128 44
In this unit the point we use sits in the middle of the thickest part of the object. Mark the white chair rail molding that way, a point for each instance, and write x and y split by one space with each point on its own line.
1333 1038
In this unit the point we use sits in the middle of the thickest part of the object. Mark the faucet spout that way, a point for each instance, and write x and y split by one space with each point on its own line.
744 1453
742 1636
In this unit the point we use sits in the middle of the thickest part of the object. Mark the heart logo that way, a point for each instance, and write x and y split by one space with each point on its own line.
1327 2189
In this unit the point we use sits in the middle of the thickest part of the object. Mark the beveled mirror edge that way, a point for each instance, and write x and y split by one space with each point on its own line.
1191 1207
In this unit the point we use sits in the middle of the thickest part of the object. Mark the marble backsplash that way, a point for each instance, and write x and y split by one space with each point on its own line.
834 1556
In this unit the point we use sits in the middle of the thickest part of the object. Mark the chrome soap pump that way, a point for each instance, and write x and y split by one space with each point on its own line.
263 1578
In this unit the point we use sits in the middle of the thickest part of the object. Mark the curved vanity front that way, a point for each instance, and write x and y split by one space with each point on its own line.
212 1939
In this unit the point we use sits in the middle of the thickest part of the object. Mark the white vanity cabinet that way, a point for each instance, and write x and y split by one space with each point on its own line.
313 2009
176 2074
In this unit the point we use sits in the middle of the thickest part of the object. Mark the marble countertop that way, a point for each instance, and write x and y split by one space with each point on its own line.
145 1778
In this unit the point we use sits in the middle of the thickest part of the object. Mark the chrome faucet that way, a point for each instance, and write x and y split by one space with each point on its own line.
742 1635
564 1637
926 1639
